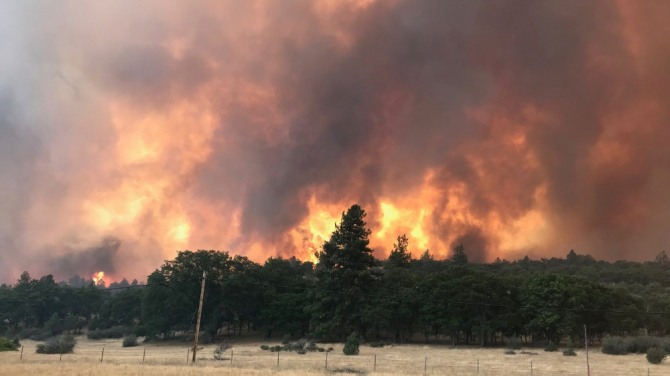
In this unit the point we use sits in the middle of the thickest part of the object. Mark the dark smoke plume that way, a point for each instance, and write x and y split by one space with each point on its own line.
513 127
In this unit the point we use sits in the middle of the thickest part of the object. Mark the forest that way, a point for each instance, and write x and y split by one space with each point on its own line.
402 299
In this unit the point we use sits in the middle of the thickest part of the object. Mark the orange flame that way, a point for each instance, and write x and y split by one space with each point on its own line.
98 278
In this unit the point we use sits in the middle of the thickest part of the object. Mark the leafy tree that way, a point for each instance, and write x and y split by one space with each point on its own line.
171 300
285 297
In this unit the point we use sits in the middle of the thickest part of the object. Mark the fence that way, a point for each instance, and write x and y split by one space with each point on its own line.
328 361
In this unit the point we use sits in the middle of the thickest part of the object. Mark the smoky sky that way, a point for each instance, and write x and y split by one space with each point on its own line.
516 127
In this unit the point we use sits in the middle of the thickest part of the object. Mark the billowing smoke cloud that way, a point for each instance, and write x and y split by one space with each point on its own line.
98 257
514 127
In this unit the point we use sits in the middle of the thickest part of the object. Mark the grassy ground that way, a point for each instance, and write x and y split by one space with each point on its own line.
249 360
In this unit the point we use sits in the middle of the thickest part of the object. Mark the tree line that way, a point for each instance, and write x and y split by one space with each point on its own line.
400 299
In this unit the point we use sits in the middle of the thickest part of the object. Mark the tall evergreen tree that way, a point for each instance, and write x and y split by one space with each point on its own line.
344 277
400 256
458 256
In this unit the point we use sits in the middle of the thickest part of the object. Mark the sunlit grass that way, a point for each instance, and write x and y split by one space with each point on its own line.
250 360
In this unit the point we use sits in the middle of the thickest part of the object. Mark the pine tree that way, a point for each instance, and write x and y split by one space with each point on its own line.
343 278
399 256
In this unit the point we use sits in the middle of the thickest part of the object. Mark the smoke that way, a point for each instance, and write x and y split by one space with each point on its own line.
518 127
90 260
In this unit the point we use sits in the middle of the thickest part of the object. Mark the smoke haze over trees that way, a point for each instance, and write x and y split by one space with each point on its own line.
399 299
513 128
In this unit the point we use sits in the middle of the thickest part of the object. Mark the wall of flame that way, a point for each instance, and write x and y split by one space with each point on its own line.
514 128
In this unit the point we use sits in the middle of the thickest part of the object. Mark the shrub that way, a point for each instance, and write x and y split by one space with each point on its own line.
377 344
205 338
569 351
140 331
300 346
510 352
615 346
7 345
221 349
656 355
41 336
113 332
130 341
296 346
640 345
351 345
513 343
551 347
28 332
57 345
666 344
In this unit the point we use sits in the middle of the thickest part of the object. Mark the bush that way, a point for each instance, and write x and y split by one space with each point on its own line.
130 341
221 349
113 332
656 355
296 346
140 331
666 344
57 345
300 346
615 346
513 343
26 333
569 352
510 352
352 344
7 345
551 347
640 345
377 344
205 338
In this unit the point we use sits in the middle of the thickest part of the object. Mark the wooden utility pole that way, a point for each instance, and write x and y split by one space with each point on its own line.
197 323
586 347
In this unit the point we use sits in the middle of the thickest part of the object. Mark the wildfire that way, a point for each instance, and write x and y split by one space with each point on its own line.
98 277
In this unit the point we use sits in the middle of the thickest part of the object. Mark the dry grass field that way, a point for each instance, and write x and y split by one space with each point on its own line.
249 360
